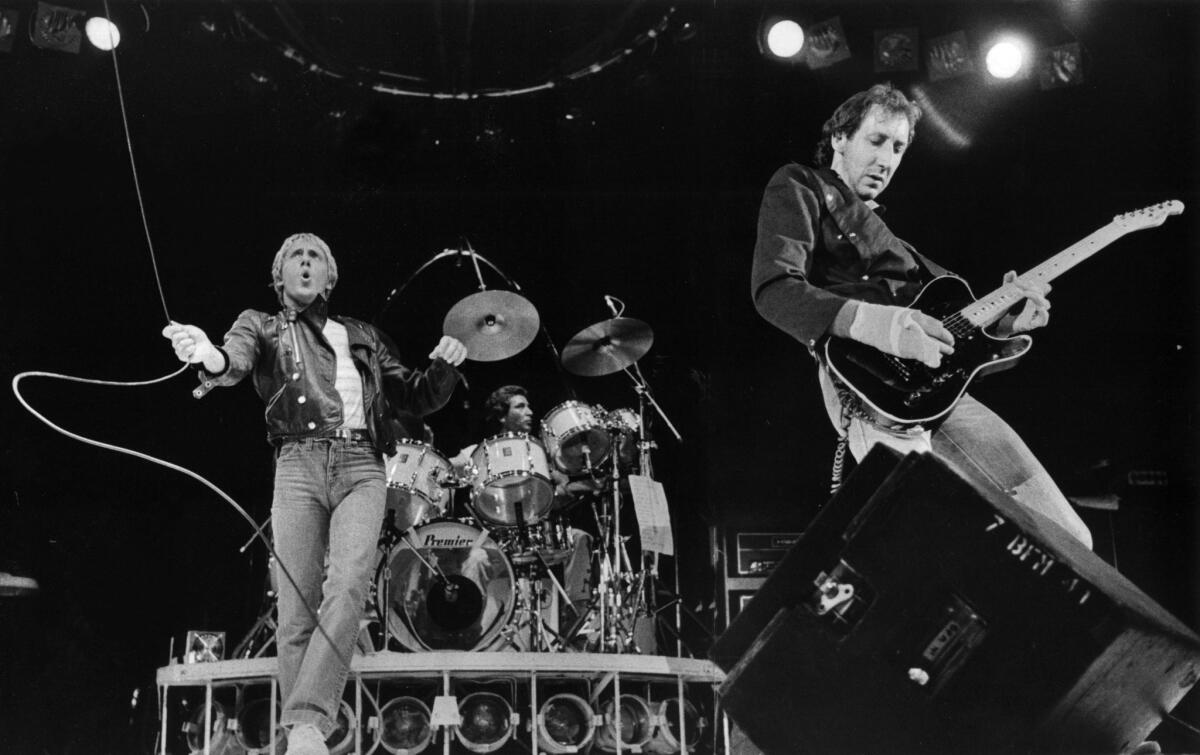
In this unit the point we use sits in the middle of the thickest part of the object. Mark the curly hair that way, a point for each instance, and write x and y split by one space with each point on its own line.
849 116
290 243
496 406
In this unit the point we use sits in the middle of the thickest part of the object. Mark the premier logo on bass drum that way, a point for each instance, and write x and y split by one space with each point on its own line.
458 541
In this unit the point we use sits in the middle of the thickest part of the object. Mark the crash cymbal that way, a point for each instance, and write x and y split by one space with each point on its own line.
493 325
607 347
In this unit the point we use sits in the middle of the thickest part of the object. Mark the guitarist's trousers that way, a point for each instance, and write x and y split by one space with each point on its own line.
975 442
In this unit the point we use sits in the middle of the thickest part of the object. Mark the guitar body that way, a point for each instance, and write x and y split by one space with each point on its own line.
905 391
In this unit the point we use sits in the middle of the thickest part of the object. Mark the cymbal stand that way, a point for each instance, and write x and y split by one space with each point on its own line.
262 635
645 445
645 395
389 537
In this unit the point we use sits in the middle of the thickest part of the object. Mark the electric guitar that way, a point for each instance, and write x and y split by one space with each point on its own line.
907 392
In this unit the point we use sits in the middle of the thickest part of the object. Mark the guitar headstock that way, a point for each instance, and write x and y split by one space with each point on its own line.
1149 217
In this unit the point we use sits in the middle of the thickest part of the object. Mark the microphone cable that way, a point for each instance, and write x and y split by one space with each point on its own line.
16 381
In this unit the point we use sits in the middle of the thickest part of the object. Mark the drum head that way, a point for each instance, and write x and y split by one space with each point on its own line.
570 456
465 611
499 500
511 483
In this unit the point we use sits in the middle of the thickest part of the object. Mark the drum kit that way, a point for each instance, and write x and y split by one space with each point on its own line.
485 580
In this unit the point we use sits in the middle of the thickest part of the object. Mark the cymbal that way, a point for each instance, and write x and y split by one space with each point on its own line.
493 325
608 346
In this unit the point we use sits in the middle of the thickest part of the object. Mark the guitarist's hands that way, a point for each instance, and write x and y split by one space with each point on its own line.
901 332
1036 311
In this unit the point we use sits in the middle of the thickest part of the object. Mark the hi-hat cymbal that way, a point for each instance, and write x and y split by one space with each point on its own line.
493 325
608 346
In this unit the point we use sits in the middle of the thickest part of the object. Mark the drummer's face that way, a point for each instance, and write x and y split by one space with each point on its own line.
520 415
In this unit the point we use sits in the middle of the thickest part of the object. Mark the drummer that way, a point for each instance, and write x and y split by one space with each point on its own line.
507 410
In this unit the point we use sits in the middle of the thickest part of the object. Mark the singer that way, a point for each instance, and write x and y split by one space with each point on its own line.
328 383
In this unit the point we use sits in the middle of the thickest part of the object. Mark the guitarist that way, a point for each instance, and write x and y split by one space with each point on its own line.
826 264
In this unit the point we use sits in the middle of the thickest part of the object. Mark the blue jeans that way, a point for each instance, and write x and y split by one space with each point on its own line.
329 502
982 447
979 445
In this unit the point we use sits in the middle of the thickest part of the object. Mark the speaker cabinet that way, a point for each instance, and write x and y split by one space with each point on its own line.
919 614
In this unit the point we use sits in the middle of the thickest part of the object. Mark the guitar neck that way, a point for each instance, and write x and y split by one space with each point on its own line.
989 309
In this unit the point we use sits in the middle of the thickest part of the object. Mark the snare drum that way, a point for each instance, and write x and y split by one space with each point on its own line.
571 427
549 542
510 472
423 613
414 484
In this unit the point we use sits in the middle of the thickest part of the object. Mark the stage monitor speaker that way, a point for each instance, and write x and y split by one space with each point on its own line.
920 614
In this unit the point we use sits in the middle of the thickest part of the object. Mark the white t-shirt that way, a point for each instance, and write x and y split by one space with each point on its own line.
348 382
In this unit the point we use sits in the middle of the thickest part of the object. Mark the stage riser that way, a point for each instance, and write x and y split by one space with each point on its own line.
240 693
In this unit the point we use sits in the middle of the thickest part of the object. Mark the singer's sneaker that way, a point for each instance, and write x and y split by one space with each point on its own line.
306 739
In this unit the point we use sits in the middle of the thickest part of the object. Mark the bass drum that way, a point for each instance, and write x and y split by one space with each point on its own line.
466 611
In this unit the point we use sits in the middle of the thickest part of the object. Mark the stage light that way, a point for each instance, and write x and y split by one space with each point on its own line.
102 33
633 723
341 740
487 724
785 38
254 726
404 726
1006 57
193 730
667 739
566 723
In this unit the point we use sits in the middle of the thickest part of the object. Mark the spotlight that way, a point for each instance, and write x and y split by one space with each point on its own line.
667 738
404 726
193 730
254 726
1006 57
341 740
487 724
102 33
784 38
633 724
565 723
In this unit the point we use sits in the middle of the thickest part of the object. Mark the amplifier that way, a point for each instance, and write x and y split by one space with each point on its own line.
749 557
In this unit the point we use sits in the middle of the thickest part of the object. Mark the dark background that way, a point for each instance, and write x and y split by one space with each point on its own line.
648 192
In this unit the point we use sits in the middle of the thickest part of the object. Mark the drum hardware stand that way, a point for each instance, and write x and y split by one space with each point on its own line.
261 636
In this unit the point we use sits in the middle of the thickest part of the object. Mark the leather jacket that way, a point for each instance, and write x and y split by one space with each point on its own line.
295 370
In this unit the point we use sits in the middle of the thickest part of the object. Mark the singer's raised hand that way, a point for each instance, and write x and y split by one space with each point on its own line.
192 345
451 350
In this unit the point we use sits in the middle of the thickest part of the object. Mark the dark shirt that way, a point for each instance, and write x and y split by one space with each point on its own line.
819 246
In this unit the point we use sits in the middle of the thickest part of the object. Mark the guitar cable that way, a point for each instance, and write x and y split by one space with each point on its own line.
16 381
